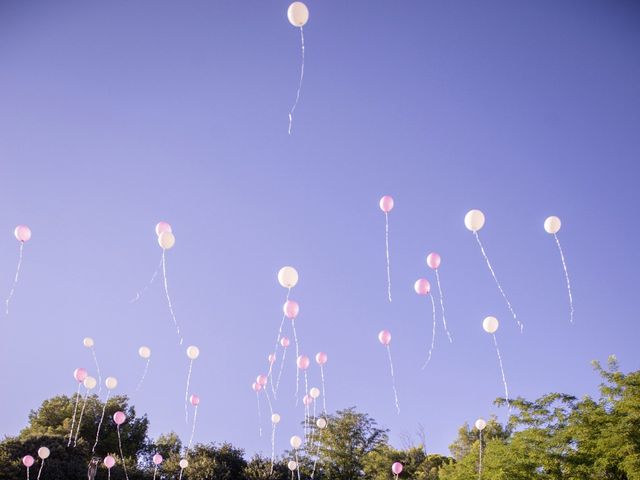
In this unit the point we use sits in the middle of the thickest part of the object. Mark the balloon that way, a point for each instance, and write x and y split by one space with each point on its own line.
303 362
298 14
481 424
321 358
90 383
80 374
22 233
119 418
162 227
474 220
109 461
284 341
275 418
184 463
87 342
321 423
271 358
433 260
27 460
552 225
314 392
291 309
166 240
193 352
295 441
43 453
292 465
386 204
157 459
384 337
422 286
396 468
195 400
256 387
144 352
490 324
307 400
288 277
111 382
262 380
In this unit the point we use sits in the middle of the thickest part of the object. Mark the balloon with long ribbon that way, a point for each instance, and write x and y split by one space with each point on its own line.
298 15
195 402
422 287
144 352
157 460
433 261
109 462
111 383
490 325
43 453
321 360
384 337
119 418
193 352
386 205
552 227
287 278
89 383
23 235
28 462
79 374
167 240
89 343
480 425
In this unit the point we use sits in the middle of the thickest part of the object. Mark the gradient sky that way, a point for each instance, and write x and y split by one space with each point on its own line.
115 115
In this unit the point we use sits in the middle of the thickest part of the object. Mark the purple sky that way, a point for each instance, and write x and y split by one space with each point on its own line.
116 115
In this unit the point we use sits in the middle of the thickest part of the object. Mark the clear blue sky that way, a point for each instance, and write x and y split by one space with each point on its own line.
116 115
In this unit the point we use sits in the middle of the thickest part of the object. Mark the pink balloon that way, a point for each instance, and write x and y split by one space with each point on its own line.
422 286
261 380
80 374
386 204
109 461
321 358
157 459
433 260
291 309
303 362
256 386
27 460
284 341
396 468
119 418
22 233
195 400
307 400
272 358
162 227
384 337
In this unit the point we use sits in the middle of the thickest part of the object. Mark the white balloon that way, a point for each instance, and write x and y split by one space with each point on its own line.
184 463
552 225
43 453
298 14
292 465
166 240
314 392
144 352
275 418
490 324
474 220
295 442
481 424
288 277
193 352
88 342
90 383
321 423
111 382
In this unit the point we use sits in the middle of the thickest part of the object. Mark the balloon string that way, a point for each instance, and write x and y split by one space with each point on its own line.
480 462
104 407
124 465
109 474
73 419
504 380
324 397
95 361
444 320
386 238
297 463
295 337
144 374
433 332
146 287
497 282
259 415
27 473
186 394
295 104
181 470
393 380
269 375
306 407
15 279
166 291
273 446
84 404
566 275
155 471
40 471
284 354
193 429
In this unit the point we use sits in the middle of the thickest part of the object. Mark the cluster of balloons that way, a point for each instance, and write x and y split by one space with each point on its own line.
23 235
